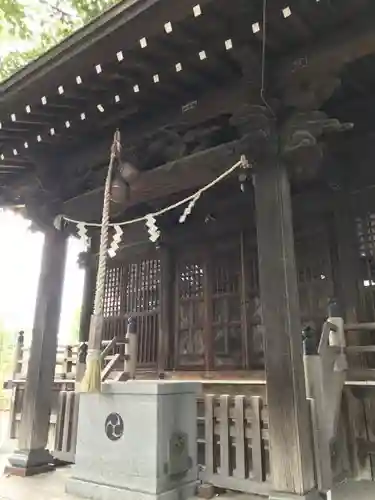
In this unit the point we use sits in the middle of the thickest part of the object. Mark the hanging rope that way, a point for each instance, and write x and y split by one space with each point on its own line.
91 381
102 265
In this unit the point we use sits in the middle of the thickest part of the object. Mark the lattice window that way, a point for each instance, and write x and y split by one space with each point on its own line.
366 235
133 289
143 284
113 304
191 280
143 302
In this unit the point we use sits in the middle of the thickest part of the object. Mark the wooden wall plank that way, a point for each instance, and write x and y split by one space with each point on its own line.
67 420
256 441
209 434
239 422
224 436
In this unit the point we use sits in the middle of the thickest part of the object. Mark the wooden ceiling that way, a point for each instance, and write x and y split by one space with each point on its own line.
146 60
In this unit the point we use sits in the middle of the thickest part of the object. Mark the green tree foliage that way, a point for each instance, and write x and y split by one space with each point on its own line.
28 28
13 19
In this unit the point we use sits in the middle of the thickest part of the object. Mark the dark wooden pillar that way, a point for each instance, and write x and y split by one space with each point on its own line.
291 456
32 457
167 274
87 261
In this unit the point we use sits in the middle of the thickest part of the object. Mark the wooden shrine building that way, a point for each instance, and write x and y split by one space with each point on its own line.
193 85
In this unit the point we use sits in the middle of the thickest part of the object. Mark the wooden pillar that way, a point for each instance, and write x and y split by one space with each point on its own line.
32 457
165 348
291 457
87 262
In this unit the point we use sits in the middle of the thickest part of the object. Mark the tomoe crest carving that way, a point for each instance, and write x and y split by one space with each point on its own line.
114 426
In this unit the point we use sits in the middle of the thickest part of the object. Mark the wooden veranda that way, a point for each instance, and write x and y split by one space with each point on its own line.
224 296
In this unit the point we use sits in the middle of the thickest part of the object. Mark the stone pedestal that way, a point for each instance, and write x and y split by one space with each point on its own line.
312 495
137 440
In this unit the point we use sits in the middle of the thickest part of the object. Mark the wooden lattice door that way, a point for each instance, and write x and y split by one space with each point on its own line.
191 273
133 289
229 342
315 277
366 253
211 319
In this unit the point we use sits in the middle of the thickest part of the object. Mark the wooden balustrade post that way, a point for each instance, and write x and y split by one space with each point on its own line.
81 361
32 457
131 348
67 364
18 354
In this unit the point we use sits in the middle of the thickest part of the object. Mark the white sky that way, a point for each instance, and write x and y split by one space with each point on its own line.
20 258
20 250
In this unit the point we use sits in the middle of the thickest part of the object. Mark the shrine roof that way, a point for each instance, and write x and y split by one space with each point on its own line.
145 64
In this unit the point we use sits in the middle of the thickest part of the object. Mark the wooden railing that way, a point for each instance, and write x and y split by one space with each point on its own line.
147 332
65 436
66 360
232 441
233 446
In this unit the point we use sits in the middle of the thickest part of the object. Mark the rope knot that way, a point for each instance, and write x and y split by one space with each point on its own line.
116 145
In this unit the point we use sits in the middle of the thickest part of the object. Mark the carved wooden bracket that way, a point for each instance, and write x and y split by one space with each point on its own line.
300 140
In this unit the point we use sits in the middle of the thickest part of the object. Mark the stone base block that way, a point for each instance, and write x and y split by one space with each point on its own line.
312 495
95 491
28 471
137 440
29 463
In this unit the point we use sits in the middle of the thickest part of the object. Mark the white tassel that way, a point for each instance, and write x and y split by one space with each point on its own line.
82 233
153 231
189 208
115 245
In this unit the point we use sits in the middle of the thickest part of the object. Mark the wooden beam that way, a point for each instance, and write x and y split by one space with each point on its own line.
354 40
188 173
209 105
289 420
